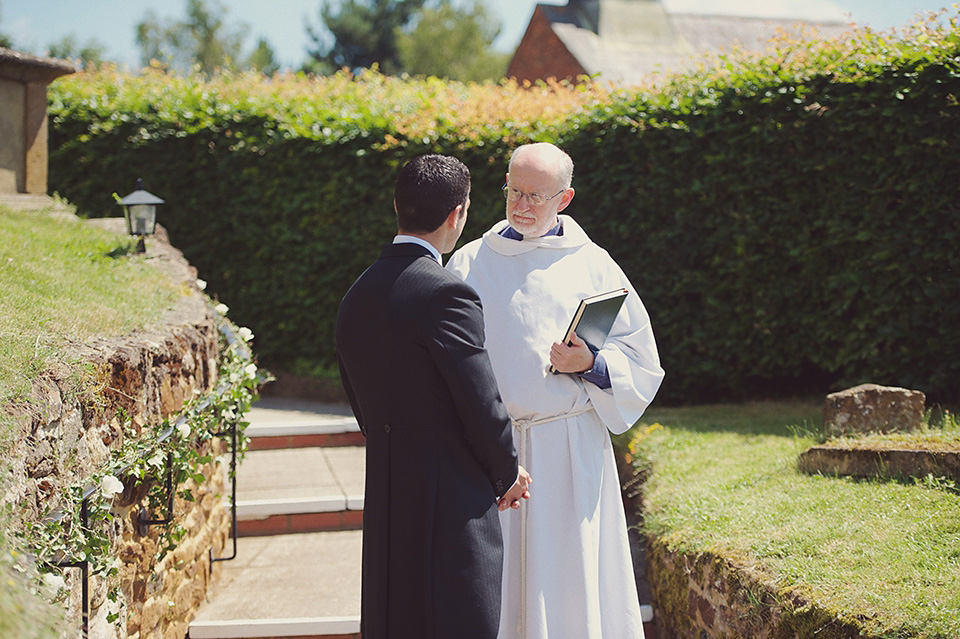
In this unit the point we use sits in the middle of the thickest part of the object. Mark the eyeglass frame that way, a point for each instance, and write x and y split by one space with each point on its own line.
506 188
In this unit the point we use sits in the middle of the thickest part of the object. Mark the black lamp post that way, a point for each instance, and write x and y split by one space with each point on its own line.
140 210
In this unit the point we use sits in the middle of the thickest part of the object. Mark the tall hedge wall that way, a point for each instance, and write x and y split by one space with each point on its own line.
790 220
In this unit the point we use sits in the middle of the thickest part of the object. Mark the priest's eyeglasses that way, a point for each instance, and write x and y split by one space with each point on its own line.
535 199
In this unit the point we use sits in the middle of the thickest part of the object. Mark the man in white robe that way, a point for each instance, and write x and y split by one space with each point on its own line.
568 572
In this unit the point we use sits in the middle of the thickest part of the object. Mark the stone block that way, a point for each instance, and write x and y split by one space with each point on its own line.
857 462
185 552
870 408
707 612
36 134
153 611
188 596
176 630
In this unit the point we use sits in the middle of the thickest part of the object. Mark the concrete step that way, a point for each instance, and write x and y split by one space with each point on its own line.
295 490
288 580
289 423
303 585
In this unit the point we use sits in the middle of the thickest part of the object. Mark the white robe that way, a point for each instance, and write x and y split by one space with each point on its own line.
567 566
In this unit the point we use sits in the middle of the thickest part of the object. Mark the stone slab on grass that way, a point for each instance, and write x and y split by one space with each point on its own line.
870 408
855 461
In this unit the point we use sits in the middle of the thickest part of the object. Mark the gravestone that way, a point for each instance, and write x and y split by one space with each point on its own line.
870 408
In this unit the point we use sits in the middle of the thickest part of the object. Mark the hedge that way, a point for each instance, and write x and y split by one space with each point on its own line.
790 219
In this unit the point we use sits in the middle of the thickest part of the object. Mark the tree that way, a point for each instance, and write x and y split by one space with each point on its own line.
203 39
263 58
363 34
452 43
67 48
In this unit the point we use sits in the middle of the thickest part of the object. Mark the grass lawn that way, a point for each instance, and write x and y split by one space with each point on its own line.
63 281
724 481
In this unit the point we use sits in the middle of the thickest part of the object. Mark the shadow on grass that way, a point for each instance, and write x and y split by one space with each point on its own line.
125 248
787 418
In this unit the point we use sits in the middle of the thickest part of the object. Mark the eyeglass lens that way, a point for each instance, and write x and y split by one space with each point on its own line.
513 195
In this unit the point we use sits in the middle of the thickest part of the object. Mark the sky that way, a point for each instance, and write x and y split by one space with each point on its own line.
33 25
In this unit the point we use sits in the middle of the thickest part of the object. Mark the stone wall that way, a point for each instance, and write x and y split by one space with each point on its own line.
702 596
705 596
65 435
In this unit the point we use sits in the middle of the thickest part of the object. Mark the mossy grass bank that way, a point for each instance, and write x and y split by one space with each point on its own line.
882 554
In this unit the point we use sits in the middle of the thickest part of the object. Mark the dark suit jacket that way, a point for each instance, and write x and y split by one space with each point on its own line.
439 449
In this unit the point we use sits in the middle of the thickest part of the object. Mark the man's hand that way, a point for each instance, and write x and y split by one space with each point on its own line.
575 358
519 490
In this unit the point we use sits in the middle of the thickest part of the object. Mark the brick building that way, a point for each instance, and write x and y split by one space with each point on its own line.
624 41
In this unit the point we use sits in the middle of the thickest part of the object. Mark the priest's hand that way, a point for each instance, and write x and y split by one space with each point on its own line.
519 490
573 358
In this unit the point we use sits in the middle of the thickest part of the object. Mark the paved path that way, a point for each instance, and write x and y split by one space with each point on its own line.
299 509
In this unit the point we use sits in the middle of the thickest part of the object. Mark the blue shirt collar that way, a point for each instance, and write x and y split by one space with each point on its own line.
511 234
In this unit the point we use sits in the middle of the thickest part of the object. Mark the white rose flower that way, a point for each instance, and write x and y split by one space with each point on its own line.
110 486
158 459
245 333
55 583
221 308
251 370
201 284
234 378
184 429
227 413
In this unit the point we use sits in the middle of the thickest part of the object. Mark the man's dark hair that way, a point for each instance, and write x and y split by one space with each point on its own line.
428 188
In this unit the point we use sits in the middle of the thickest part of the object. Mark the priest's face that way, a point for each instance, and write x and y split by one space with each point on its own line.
527 183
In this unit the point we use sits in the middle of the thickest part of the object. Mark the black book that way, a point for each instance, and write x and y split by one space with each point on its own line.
594 318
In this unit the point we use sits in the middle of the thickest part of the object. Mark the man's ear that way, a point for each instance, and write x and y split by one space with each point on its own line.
565 199
454 216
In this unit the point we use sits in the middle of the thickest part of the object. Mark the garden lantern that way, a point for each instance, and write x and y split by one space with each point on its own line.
140 210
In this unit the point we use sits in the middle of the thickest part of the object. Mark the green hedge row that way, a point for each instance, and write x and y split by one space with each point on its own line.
795 236
790 220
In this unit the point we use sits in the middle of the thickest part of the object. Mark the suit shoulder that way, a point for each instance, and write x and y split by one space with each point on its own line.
453 284
426 279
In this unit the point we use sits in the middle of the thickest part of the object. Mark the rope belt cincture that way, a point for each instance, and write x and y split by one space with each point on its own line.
523 426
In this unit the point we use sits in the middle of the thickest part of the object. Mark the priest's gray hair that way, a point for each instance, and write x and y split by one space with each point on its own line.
564 163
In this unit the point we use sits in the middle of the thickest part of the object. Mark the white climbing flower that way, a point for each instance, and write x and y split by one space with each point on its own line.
221 308
184 429
251 371
245 333
54 583
235 377
228 414
110 486
201 284
157 460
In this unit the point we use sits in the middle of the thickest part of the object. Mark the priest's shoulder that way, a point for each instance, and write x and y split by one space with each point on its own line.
465 254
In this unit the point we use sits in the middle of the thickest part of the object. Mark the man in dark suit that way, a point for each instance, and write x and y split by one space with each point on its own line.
440 459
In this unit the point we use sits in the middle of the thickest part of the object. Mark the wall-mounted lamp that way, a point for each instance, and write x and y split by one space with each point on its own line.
140 210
